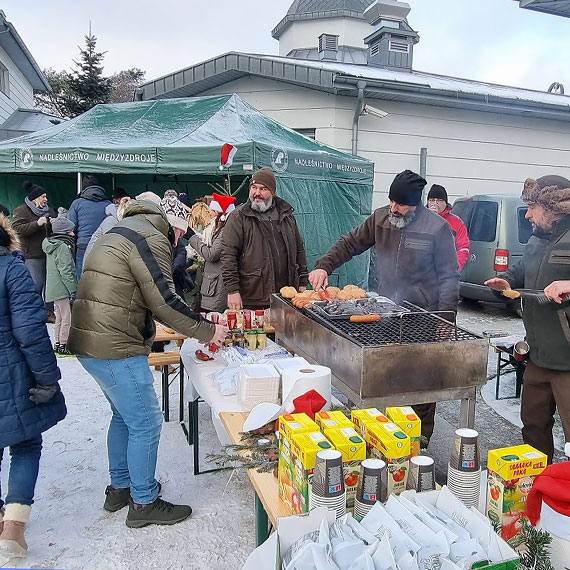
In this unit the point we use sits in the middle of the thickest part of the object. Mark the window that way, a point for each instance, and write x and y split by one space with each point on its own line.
524 226
464 209
483 226
310 133
4 80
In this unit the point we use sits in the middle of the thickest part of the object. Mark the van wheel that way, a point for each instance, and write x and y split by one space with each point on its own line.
516 307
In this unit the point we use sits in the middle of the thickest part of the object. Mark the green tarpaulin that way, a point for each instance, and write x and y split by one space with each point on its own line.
176 143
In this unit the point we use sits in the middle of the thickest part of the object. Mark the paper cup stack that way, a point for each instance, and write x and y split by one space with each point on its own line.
464 471
372 486
328 488
421 476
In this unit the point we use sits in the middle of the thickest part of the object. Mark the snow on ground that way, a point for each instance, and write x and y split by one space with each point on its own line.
68 527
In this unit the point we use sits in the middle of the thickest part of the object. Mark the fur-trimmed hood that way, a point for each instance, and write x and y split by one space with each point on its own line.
550 192
8 237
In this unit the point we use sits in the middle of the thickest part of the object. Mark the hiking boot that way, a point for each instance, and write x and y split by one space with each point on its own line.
56 347
116 499
63 350
158 512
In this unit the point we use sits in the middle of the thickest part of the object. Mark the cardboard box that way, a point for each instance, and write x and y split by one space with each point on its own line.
388 442
353 448
361 418
304 449
332 420
511 472
289 425
409 423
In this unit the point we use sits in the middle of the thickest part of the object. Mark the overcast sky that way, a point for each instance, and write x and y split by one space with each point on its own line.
488 40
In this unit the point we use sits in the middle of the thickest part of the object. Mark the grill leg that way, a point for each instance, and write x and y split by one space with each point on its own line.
181 393
165 394
467 418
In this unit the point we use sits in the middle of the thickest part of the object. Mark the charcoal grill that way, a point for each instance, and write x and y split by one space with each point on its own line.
410 358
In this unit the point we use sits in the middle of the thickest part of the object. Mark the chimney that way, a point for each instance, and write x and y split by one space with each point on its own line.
328 47
391 44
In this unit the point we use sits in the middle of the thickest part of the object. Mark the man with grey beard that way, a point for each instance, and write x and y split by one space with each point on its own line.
262 248
416 254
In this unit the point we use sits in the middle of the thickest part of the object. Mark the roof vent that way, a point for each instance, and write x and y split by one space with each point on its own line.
328 46
557 88
399 46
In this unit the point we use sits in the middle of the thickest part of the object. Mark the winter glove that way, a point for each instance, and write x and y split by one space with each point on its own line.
43 393
190 233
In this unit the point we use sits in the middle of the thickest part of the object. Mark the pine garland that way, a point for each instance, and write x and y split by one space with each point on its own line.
537 541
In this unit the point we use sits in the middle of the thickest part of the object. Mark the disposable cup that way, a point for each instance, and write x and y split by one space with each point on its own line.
328 478
421 476
465 455
372 482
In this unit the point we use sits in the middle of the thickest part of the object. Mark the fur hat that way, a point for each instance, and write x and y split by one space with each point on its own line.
407 188
175 213
437 192
150 197
551 192
61 225
266 177
8 237
33 190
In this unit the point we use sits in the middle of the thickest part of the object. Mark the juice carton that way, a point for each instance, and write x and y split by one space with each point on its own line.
353 448
511 472
289 425
332 420
409 423
389 443
361 418
304 449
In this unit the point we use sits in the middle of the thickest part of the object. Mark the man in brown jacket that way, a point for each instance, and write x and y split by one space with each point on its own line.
416 253
262 248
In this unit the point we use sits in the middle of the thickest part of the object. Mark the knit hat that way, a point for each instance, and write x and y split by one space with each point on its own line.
183 197
34 190
406 189
224 204
150 197
175 213
61 225
170 193
266 177
551 192
437 192
89 180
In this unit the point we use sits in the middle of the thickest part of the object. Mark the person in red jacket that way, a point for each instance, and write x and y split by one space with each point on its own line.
437 202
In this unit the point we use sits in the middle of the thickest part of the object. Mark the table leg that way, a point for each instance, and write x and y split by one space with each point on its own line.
261 522
195 441
165 394
181 393
467 415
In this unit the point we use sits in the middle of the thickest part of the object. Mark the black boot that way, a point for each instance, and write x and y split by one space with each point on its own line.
63 350
56 347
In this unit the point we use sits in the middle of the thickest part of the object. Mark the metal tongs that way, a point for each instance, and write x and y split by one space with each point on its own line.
536 294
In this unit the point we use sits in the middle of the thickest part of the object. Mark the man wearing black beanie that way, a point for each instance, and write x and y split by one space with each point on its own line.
415 253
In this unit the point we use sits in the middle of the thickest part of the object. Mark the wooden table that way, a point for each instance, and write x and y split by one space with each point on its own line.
268 505
166 336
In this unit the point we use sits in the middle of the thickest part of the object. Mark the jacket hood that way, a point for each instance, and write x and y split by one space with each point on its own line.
49 245
150 211
111 210
13 242
93 193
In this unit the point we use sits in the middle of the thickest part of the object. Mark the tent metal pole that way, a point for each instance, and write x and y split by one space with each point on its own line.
79 183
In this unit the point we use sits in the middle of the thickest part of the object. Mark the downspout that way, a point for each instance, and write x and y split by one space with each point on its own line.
357 112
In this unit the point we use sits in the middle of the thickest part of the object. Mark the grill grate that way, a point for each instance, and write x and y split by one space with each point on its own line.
415 327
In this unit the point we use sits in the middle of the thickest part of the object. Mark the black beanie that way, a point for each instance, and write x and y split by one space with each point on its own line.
438 192
33 190
89 180
406 189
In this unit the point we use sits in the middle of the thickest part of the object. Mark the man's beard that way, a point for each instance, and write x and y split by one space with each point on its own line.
262 206
400 222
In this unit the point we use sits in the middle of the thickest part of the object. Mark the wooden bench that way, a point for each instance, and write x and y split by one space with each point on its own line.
164 360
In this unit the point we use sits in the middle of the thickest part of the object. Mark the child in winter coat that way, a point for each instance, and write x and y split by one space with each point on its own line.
31 401
61 279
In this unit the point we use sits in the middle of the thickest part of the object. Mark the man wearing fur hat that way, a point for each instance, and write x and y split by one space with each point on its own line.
416 256
545 266
262 248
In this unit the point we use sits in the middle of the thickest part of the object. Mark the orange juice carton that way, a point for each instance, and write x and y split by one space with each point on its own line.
361 418
409 423
388 442
289 425
511 472
353 448
332 420
304 449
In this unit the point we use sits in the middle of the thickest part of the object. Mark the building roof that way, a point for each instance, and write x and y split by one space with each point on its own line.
557 7
342 79
30 120
319 9
13 45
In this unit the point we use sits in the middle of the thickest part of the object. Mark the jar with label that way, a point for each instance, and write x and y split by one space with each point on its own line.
261 339
251 339
259 318
229 340
238 338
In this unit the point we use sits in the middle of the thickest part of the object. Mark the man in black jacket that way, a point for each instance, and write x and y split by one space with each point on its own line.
545 266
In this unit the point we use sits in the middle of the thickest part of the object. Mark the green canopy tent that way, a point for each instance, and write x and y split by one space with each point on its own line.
176 143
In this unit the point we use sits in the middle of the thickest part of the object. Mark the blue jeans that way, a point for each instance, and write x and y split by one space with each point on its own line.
79 256
134 431
24 468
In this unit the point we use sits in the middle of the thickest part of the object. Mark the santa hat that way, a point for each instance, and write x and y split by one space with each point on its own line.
227 155
551 492
223 204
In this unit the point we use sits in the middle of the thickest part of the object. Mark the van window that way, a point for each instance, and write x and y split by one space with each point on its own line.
463 209
483 223
524 226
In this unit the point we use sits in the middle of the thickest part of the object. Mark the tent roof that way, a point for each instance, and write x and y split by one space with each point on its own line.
176 136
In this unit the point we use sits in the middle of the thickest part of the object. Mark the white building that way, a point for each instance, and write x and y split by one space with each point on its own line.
19 76
344 75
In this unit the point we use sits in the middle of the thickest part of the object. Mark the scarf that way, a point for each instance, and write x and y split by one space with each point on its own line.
67 239
39 212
